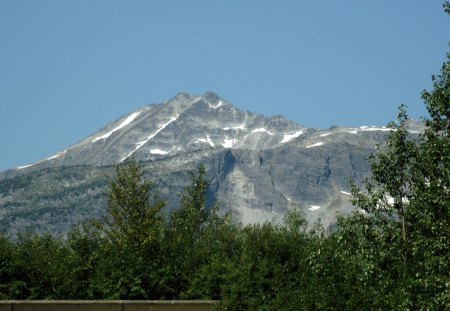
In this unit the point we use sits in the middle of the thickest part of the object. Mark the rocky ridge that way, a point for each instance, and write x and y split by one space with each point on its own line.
259 167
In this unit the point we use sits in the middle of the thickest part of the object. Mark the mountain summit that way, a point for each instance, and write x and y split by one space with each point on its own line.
259 167
185 123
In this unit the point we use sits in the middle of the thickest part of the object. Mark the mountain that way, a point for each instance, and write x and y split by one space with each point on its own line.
259 167
183 124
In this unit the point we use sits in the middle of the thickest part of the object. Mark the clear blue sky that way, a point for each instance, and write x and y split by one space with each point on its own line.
67 68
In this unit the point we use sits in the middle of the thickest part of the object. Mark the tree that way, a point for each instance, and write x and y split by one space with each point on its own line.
183 232
44 267
192 214
429 208
408 196
11 285
133 230
134 209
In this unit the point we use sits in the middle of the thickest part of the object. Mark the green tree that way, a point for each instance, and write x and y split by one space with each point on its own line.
429 207
183 232
408 196
11 285
134 208
45 264
197 243
192 214
87 245
133 231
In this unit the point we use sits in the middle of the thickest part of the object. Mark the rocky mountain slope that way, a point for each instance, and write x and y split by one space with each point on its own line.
259 167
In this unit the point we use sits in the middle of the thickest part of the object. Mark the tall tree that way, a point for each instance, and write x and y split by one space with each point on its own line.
409 193
133 230
134 208
183 233
192 214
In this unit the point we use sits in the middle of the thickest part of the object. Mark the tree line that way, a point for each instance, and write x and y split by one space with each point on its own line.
394 256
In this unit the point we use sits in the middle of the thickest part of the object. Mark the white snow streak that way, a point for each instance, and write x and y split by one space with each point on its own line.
141 143
121 125
239 127
217 106
207 140
261 130
345 192
57 155
53 157
320 143
326 134
288 136
158 151
24 166
374 128
353 132
314 207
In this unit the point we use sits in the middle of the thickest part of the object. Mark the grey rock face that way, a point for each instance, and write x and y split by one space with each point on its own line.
183 124
259 167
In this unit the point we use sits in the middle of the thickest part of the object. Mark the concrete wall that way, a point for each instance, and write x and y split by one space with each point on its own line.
105 305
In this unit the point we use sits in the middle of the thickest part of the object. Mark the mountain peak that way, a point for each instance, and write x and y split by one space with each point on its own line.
188 123
211 96
259 166
182 124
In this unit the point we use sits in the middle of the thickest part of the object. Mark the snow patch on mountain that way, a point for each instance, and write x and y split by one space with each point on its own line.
161 127
207 140
158 151
121 125
325 134
288 136
239 127
314 207
320 143
390 200
228 143
56 155
374 128
53 157
216 106
262 130
24 166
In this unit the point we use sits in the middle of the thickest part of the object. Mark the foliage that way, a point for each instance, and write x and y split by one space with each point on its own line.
194 240
133 230
42 268
409 190
395 255
11 284
134 211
